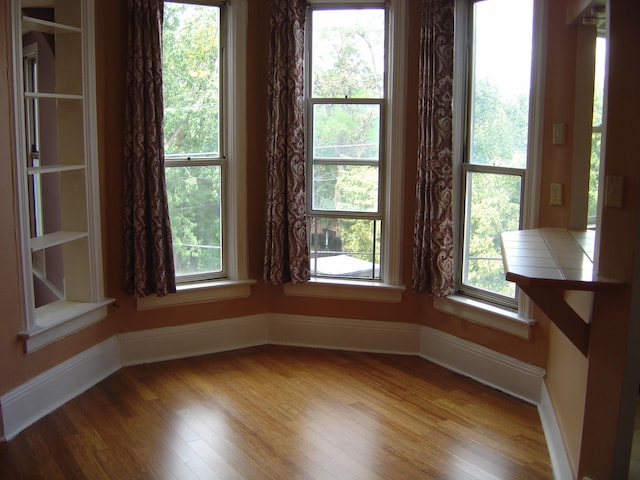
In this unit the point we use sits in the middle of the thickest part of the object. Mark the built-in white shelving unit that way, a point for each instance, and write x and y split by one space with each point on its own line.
56 155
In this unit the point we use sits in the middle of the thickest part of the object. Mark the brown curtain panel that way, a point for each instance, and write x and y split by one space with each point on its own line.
433 266
286 249
148 248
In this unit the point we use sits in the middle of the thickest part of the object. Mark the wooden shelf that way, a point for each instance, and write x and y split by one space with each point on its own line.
545 263
53 169
52 96
30 24
56 238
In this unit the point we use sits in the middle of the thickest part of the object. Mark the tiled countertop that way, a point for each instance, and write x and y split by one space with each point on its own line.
547 262
553 258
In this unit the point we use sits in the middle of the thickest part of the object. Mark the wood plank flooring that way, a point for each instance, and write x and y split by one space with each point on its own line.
277 412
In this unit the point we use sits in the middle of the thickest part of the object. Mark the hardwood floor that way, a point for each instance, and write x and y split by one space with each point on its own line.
284 413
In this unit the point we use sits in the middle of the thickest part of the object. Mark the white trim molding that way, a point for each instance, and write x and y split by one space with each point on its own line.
63 318
344 334
553 435
41 395
346 290
497 370
201 292
193 339
488 315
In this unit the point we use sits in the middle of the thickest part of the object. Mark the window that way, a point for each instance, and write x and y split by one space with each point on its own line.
204 83
204 71
351 162
494 145
195 158
57 168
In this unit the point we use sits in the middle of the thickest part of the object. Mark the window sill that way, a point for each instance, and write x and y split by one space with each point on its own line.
346 290
487 315
202 292
59 319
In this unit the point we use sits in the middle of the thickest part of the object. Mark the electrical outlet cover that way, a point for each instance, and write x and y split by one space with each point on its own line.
556 194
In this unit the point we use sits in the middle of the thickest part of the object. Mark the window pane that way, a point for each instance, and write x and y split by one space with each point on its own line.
344 132
348 53
501 82
493 207
347 248
191 78
194 195
345 187
344 135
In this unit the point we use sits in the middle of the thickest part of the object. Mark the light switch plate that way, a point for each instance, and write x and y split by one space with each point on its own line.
558 133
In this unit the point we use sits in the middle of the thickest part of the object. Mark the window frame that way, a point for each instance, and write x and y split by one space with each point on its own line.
584 129
236 282
389 288
202 160
376 216
513 317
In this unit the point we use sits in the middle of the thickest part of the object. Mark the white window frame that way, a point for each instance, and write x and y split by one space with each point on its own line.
202 160
236 283
516 322
390 288
584 129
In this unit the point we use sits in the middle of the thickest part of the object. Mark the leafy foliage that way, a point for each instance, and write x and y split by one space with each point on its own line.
348 53
191 79
494 208
500 127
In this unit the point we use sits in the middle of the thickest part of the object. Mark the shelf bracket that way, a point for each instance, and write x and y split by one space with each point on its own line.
552 303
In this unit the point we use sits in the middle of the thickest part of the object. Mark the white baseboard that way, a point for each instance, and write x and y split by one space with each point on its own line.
41 395
38 397
555 444
344 334
193 339
491 368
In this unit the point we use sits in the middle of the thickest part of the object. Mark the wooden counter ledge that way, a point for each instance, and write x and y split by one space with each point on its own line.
545 263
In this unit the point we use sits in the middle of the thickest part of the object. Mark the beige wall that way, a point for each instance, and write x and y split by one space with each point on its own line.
566 366
611 314
9 276
567 383
586 392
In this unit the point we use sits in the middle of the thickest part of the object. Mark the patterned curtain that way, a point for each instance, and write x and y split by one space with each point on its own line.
286 249
433 232
148 248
